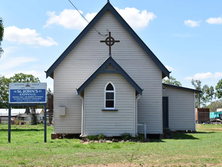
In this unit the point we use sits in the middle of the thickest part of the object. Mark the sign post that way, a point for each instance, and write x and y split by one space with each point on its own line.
27 94
9 124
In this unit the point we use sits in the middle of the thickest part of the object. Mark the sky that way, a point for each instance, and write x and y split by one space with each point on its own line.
186 36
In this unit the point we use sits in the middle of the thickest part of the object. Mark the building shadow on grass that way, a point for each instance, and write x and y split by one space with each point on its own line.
183 136
203 132
180 135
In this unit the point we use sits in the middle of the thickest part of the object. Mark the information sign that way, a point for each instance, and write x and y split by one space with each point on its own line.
27 92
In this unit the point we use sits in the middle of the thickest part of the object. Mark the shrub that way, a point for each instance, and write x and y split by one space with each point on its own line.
101 136
92 137
126 136
140 137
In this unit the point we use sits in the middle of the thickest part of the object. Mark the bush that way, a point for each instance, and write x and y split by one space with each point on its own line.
126 136
97 137
101 136
92 137
140 137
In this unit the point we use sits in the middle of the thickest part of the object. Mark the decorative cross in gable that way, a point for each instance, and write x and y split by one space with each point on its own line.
110 41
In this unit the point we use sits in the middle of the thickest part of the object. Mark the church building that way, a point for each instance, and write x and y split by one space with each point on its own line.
111 82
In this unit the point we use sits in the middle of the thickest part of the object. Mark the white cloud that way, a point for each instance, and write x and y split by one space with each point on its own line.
15 62
136 18
214 20
170 68
71 19
208 75
192 23
26 36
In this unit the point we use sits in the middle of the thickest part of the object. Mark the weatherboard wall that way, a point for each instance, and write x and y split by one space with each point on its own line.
110 123
181 108
87 56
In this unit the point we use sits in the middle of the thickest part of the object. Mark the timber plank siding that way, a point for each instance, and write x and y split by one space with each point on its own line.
87 56
181 109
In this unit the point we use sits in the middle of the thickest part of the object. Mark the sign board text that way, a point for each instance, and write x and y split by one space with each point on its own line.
27 92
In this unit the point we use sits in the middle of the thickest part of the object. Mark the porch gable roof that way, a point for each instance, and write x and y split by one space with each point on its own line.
102 69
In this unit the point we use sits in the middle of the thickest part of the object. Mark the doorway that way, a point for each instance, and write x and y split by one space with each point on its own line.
165 112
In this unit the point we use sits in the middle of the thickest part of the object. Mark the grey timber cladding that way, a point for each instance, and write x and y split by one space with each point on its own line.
110 123
101 69
80 64
181 108
108 7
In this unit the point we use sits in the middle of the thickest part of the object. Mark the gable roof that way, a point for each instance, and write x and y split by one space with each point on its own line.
107 7
115 68
183 88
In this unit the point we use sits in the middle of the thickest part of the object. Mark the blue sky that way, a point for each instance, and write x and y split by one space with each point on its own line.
186 36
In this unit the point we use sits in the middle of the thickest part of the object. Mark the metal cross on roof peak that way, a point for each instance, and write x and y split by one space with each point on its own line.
110 41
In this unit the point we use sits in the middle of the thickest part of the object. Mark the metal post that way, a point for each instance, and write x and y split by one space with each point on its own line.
9 124
194 112
144 125
45 127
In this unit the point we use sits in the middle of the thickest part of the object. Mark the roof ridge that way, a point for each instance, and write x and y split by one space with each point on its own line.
107 7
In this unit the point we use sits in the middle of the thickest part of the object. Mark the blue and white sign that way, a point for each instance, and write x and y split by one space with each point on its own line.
27 92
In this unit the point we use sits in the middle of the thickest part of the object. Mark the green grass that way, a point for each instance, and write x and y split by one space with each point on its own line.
27 148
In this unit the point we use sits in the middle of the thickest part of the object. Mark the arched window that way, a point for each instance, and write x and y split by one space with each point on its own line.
109 96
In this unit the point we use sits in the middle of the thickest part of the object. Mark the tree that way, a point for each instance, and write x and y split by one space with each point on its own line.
210 94
24 78
172 81
1 35
206 95
4 86
219 89
197 86
214 105
50 105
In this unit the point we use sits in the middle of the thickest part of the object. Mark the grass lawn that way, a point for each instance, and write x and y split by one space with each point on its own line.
27 148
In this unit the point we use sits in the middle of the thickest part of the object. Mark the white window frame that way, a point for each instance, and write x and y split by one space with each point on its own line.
111 91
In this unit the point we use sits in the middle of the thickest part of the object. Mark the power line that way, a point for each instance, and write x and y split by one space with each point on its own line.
87 20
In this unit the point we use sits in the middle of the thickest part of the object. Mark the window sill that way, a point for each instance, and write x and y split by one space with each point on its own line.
109 109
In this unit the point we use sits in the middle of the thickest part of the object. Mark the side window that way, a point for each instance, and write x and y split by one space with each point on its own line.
109 96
